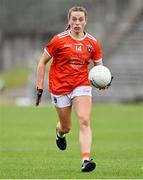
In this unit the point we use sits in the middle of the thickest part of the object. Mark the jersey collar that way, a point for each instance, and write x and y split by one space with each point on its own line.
76 38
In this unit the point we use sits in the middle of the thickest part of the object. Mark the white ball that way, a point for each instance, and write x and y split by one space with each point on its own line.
99 76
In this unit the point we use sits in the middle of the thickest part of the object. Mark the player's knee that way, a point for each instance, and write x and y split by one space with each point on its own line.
84 121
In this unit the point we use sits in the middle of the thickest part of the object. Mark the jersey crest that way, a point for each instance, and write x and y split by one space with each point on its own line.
89 48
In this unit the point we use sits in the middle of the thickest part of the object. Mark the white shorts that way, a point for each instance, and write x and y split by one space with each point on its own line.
66 100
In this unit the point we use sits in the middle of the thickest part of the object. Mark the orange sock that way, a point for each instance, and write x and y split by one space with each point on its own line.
85 156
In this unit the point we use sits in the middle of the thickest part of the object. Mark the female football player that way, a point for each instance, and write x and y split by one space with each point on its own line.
70 53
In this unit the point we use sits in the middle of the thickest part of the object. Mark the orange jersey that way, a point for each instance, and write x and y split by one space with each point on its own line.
70 59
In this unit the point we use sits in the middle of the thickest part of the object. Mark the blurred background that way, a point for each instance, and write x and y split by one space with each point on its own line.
26 26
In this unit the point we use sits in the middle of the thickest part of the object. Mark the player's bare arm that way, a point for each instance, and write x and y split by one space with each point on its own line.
41 70
40 76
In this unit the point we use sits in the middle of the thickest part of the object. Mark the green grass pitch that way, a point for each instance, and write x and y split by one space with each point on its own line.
28 149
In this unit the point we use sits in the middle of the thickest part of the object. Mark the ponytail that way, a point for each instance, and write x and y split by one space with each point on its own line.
67 27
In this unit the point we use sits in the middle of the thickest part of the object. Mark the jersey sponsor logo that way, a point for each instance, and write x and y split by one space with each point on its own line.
67 45
77 61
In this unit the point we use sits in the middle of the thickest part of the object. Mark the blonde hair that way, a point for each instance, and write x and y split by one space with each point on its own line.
75 9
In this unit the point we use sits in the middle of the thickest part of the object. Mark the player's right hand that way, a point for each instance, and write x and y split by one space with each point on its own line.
107 85
39 95
110 82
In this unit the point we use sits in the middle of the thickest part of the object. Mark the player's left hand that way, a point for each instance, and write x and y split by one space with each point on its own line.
107 85
39 95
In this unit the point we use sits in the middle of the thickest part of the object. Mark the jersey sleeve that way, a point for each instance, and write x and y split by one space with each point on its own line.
51 47
97 52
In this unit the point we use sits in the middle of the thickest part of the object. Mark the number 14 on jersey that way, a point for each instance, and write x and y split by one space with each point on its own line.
78 48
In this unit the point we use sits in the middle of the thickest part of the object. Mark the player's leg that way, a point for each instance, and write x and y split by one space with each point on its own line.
82 106
63 126
63 107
